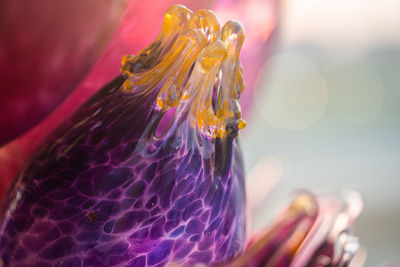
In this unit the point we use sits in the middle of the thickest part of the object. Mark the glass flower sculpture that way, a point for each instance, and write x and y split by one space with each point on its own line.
105 189
123 182
312 231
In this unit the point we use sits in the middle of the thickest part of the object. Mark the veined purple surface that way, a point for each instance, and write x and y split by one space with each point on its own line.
105 190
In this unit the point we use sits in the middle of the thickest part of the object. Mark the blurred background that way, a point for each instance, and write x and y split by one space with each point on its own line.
321 102
326 113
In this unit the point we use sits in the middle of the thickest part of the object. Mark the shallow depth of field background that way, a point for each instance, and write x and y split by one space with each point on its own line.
327 113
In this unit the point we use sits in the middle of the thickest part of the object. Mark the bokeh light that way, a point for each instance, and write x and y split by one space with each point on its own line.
292 93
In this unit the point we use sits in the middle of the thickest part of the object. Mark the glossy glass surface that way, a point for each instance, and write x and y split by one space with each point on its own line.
105 189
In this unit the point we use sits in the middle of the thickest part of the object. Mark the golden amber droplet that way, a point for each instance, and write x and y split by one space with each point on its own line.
241 124
127 85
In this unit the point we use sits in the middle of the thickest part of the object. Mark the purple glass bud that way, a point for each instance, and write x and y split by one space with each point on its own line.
105 189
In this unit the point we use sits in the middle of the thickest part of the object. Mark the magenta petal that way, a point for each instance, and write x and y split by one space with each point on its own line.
46 48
